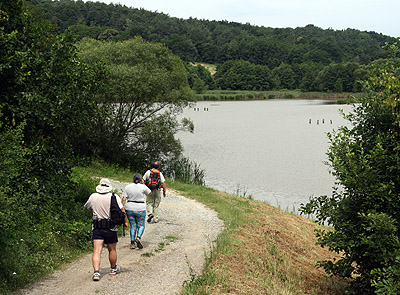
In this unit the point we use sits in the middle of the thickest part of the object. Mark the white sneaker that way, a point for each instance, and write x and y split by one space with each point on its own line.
114 271
96 276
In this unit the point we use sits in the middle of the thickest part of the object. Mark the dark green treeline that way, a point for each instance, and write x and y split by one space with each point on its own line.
248 57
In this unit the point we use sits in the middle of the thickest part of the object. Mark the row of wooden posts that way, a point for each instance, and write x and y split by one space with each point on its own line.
323 121
309 121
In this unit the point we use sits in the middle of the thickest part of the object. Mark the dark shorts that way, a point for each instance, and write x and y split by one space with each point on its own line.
109 236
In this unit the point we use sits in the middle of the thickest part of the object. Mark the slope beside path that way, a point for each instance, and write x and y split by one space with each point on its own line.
174 250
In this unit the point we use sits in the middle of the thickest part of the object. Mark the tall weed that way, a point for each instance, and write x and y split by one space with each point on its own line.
186 171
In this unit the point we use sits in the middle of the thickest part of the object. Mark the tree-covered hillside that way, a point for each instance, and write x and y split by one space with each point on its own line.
307 58
216 41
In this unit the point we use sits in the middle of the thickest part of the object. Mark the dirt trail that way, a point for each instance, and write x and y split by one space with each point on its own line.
160 267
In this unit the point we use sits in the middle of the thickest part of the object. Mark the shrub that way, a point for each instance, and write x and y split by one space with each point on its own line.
364 206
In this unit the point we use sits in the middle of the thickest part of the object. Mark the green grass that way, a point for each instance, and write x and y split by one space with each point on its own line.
100 169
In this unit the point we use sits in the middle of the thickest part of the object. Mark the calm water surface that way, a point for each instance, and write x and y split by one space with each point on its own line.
267 149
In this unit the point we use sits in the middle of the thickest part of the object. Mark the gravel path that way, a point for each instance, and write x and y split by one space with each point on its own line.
174 249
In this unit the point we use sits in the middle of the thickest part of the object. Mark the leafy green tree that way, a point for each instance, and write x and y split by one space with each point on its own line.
364 205
145 81
43 82
359 74
263 78
243 75
306 74
181 46
80 31
45 104
285 75
107 34
338 77
199 86
338 87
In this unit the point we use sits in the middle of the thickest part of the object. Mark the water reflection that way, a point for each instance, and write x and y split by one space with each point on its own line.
273 150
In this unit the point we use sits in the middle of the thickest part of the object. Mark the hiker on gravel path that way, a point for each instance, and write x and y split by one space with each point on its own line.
103 231
155 180
134 199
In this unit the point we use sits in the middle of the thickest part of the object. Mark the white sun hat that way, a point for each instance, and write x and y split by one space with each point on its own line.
104 186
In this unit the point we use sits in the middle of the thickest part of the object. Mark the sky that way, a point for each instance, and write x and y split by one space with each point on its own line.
381 16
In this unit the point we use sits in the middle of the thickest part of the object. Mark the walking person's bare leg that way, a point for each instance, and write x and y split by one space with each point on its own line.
97 247
112 254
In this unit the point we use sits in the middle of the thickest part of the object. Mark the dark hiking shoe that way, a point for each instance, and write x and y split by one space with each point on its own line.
150 218
133 245
139 243
96 276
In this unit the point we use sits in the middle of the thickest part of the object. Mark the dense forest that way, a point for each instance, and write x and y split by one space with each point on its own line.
247 57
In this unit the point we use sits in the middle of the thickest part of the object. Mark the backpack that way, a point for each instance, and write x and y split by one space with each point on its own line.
154 182
117 216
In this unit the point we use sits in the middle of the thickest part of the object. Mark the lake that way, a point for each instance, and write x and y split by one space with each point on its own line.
273 150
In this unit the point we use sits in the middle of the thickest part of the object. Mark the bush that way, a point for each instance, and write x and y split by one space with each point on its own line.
364 206
32 247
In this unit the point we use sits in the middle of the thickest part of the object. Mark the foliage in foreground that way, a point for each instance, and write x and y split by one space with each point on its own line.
38 233
364 207
45 104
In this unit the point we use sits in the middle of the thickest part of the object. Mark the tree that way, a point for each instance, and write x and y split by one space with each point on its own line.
337 77
107 34
44 85
364 205
145 81
45 104
285 75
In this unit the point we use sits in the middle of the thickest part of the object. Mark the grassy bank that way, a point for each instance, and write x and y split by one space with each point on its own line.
221 95
263 250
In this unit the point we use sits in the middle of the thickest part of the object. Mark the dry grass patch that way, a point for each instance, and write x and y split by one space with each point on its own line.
211 68
274 253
